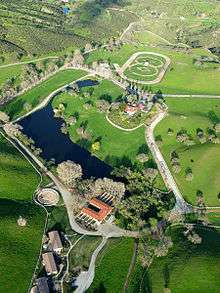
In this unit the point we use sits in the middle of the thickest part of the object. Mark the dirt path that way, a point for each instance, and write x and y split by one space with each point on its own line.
131 267
28 61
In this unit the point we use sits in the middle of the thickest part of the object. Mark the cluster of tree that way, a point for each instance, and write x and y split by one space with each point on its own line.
113 44
71 173
209 136
191 235
175 161
32 74
185 138
15 131
144 206
149 247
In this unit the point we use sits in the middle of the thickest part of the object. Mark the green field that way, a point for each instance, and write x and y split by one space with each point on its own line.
39 92
188 267
19 246
18 179
203 159
112 265
80 255
9 72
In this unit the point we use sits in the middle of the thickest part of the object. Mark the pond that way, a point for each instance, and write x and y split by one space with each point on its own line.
45 130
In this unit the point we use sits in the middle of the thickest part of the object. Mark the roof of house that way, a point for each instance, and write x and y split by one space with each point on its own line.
49 262
103 210
131 109
42 285
55 240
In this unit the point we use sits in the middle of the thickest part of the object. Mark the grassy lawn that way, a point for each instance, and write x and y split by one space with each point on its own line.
81 254
39 92
203 159
182 76
18 178
112 265
188 267
19 246
9 72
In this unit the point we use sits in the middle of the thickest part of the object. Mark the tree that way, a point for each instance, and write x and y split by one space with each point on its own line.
13 130
143 158
96 146
68 172
4 117
194 238
170 131
159 140
88 47
103 105
116 189
188 174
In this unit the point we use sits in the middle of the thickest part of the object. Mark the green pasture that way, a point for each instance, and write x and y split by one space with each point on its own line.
188 267
19 246
203 159
112 266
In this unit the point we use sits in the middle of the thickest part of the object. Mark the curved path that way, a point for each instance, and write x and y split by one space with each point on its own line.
28 61
181 206
131 60
85 279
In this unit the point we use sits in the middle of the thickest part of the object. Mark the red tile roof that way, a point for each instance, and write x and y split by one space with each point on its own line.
104 210
131 109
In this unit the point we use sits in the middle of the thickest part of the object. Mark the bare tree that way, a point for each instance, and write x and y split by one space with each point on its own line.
116 189
13 130
4 117
68 172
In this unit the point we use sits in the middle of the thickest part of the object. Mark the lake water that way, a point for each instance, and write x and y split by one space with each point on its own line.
44 129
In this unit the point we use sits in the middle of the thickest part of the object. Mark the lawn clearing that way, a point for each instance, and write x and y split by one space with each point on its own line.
188 267
203 159
36 95
112 265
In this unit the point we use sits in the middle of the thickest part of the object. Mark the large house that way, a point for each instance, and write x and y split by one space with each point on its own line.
49 263
55 241
41 286
96 211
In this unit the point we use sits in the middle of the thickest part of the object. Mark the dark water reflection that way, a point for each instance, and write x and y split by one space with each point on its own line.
45 130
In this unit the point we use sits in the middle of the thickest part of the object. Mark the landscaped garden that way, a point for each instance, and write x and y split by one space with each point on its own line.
19 245
189 140
145 67
113 265
86 123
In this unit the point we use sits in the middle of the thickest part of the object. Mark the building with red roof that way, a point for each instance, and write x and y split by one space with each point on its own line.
96 210
131 110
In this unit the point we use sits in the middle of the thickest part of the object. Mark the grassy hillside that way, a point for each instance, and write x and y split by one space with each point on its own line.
188 267
112 266
203 159
41 91
38 28
19 246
